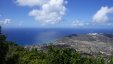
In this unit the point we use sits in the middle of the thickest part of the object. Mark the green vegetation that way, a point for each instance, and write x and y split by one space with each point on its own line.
11 53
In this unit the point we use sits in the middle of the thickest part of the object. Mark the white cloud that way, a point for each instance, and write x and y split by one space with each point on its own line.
77 23
5 21
51 11
31 2
102 15
20 24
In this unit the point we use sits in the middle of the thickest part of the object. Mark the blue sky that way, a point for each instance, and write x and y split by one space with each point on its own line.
56 13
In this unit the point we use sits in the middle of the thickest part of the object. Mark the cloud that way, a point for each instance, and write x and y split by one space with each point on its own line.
5 21
102 15
78 23
49 11
31 3
20 24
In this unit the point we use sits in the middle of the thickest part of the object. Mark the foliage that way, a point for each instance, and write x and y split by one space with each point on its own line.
3 49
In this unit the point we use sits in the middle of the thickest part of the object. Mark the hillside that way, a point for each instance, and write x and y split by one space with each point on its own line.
87 44
63 51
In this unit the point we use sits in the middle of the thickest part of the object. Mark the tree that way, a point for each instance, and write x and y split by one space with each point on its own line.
3 49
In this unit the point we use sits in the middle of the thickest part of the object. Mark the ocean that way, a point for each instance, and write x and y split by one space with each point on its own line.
29 36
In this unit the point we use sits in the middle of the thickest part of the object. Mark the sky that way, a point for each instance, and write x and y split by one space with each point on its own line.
56 13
